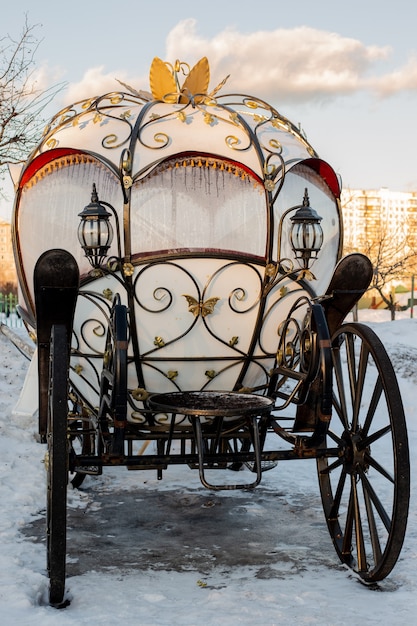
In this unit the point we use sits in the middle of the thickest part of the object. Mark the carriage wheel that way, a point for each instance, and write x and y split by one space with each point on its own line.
57 465
365 491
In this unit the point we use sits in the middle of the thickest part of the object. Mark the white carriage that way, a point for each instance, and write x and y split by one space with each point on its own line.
187 244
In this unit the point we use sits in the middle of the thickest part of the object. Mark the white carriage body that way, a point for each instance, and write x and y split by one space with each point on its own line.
199 187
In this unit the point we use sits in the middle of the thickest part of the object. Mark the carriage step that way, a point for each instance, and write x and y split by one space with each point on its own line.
221 465
265 465
203 465
198 405
93 470
143 466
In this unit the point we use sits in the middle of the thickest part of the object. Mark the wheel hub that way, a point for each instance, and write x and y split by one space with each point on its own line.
354 453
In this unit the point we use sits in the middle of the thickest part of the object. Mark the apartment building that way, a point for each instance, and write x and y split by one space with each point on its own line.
7 264
369 214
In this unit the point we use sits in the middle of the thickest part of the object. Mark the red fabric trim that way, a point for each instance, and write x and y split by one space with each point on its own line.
326 172
42 160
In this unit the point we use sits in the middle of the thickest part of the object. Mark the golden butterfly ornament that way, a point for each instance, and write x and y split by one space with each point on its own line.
165 84
198 307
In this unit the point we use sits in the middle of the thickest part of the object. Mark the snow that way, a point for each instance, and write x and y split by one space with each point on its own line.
301 582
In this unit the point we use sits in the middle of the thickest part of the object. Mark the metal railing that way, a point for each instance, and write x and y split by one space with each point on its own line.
8 313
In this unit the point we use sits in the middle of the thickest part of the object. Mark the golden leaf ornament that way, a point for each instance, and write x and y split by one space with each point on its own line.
162 82
197 81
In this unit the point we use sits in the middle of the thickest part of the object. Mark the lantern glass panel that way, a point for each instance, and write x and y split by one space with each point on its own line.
307 237
94 233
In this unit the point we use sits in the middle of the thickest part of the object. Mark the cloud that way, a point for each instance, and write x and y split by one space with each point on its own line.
96 82
296 64
403 79
292 65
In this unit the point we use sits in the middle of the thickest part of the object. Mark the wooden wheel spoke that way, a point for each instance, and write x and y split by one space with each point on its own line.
373 530
339 401
379 507
378 467
367 441
373 404
332 467
337 407
351 365
334 436
360 384
360 542
348 534
338 496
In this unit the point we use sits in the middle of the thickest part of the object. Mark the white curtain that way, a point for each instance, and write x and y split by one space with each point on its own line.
213 206
49 207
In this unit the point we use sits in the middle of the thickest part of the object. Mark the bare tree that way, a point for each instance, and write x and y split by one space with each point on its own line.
393 256
22 101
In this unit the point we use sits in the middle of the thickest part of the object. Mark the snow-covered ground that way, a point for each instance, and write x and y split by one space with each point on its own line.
303 584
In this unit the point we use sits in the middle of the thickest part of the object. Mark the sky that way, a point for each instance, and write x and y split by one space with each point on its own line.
345 72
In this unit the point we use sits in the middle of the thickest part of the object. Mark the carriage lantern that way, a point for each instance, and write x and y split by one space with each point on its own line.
95 232
306 233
